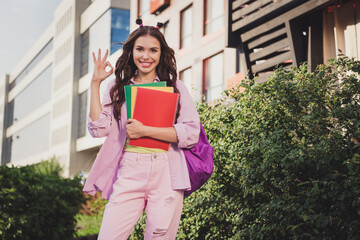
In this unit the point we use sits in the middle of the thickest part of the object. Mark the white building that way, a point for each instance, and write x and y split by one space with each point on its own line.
44 101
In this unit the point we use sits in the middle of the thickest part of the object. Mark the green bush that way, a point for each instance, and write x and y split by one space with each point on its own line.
90 215
37 203
287 159
88 225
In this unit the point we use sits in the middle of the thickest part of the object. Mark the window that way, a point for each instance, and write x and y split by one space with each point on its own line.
186 22
99 36
213 77
48 47
240 59
143 8
185 76
8 121
34 95
166 32
84 53
9 114
32 139
6 150
82 114
214 15
120 28
164 29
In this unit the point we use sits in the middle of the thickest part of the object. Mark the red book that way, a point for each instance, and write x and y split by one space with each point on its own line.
156 109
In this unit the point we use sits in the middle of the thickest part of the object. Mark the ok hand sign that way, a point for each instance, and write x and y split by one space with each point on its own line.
100 74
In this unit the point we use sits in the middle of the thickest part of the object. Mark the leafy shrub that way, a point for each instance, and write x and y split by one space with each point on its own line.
93 205
88 225
90 215
37 203
287 160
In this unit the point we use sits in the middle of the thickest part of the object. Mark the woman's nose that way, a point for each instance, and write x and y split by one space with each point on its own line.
146 55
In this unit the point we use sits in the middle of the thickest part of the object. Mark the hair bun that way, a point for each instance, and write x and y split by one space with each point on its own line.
139 21
159 25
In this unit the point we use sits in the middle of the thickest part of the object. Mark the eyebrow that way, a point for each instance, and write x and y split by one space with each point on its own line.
143 47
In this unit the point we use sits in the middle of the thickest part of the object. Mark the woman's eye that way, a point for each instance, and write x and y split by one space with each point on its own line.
139 49
154 50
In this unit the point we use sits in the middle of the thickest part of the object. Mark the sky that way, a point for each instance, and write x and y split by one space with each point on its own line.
22 22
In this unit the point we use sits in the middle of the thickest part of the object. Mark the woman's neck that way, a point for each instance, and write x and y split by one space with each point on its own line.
144 78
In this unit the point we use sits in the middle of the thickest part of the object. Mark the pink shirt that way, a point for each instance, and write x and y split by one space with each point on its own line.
103 172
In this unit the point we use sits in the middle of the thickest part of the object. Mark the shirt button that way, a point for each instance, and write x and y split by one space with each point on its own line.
155 156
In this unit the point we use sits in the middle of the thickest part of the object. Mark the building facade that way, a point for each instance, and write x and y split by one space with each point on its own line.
45 99
290 32
196 30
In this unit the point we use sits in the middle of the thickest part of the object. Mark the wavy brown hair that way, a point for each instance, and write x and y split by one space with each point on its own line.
125 67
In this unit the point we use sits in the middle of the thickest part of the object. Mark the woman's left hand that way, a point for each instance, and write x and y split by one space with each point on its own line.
134 129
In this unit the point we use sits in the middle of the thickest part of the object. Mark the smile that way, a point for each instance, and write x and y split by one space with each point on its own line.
145 64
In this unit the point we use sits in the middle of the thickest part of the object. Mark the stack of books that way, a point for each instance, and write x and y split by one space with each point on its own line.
154 105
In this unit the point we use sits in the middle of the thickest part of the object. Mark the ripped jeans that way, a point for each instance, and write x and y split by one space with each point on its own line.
143 184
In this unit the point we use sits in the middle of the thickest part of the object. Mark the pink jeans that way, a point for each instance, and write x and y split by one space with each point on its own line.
143 184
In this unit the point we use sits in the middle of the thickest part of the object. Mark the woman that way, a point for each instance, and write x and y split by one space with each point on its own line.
136 179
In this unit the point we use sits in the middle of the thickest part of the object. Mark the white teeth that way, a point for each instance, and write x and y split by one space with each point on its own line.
145 64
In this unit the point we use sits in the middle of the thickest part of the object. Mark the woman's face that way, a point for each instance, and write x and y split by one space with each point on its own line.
146 54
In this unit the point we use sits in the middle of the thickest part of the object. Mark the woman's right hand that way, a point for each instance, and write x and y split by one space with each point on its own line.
100 74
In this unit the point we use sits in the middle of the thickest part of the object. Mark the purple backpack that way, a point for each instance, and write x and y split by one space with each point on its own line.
199 160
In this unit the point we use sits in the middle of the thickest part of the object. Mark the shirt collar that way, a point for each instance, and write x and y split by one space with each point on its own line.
155 80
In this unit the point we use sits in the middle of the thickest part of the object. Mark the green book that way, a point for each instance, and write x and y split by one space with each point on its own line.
128 93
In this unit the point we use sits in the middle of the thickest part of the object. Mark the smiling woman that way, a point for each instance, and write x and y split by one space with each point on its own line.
136 179
146 55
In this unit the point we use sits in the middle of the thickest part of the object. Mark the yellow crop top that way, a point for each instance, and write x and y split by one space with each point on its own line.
136 149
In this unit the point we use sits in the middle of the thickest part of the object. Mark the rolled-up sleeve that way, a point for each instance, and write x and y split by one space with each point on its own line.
187 126
101 126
